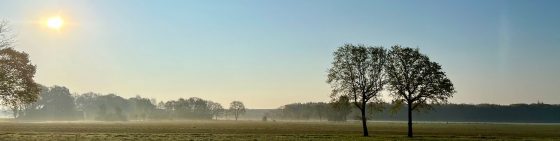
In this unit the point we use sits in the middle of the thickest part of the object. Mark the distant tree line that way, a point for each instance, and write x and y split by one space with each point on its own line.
191 108
332 111
57 103
522 113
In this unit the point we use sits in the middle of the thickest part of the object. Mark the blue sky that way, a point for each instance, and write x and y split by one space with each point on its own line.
270 53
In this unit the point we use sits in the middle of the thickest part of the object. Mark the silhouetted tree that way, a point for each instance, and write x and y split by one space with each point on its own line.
416 81
237 108
17 87
357 72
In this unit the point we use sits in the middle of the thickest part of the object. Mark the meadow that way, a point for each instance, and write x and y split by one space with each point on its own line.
280 130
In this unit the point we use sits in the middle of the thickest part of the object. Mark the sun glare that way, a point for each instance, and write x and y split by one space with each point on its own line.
55 22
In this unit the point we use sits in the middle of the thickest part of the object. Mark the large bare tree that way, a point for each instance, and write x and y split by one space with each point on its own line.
357 72
416 81
17 87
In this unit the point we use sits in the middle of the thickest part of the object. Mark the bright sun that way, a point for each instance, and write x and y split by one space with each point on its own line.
55 22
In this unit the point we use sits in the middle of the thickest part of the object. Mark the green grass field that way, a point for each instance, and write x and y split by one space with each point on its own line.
257 130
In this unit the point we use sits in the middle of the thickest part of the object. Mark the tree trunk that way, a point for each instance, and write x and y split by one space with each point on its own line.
236 114
15 111
364 121
409 119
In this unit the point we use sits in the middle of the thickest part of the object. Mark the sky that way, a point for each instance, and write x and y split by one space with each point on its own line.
271 53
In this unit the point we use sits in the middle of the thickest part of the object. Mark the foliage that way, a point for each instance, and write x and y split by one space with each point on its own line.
17 87
357 73
55 103
416 81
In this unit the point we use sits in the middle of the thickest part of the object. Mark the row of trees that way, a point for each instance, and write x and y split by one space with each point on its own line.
535 113
57 103
311 110
338 110
361 73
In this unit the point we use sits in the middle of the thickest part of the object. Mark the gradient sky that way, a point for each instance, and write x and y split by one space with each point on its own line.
270 53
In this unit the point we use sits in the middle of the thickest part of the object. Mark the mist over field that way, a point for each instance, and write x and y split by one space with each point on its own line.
355 70
56 103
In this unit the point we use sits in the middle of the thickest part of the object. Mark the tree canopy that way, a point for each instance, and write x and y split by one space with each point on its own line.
17 86
237 108
416 81
357 73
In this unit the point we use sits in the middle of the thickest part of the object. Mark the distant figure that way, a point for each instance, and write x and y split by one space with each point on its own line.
264 118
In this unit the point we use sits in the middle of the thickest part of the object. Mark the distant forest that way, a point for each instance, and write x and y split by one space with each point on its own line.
522 113
57 103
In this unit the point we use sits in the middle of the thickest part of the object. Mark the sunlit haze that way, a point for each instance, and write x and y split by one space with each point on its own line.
55 22
271 53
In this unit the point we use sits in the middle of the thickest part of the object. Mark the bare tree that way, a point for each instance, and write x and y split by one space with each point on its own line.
416 81
237 108
216 109
6 38
357 72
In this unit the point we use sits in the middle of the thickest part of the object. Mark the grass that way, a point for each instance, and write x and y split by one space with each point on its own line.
257 130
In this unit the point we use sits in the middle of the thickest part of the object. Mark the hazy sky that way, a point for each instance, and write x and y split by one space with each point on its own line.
270 53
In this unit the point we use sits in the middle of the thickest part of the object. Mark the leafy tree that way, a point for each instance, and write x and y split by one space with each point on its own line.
357 72
17 87
55 103
59 102
416 81
237 108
